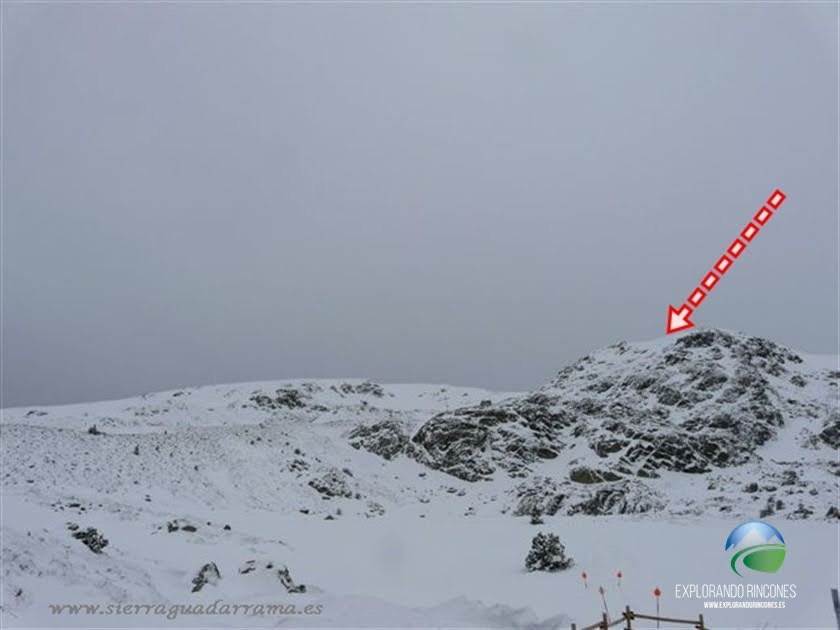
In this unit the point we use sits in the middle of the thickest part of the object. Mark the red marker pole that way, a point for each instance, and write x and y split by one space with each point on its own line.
619 575
679 317
657 593
585 583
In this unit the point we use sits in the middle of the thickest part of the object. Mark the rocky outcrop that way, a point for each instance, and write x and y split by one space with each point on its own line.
622 497
584 474
91 539
208 574
283 398
705 401
471 443
830 433
180 525
366 388
282 573
333 483
539 495
287 581
542 495
386 439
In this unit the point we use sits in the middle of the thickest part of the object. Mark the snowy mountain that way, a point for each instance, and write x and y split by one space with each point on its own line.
399 504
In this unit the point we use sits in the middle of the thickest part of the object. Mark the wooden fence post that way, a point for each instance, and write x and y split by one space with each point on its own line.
628 615
605 624
701 625
574 626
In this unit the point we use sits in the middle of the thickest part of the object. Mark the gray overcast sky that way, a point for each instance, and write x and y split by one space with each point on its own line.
465 193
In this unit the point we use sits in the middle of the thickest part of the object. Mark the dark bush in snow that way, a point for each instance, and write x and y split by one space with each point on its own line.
547 554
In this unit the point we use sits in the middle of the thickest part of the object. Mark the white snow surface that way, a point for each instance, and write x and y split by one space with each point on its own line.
409 546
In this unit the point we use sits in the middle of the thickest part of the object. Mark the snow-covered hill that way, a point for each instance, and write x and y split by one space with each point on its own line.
400 505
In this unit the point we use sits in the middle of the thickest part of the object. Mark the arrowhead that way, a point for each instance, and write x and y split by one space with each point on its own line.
678 319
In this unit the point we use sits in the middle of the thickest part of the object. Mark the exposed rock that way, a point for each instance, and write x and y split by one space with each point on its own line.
540 495
92 539
286 580
386 439
366 388
208 574
284 398
830 433
332 484
801 512
705 401
472 442
180 524
453 445
543 495
790 477
374 509
584 474
770 507
622 497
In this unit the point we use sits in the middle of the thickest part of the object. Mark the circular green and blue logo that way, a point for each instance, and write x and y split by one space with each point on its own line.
757 546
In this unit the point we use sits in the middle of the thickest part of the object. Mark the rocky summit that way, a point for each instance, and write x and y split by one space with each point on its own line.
704 402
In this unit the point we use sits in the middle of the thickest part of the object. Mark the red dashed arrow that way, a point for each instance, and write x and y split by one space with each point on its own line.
679 318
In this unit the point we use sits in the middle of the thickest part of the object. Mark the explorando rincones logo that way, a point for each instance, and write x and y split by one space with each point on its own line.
756 546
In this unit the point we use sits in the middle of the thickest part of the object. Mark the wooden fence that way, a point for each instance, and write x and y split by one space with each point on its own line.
628 616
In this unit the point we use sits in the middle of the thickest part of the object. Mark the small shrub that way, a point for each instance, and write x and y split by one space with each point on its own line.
547 554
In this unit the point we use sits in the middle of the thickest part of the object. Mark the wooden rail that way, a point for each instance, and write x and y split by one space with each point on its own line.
627 616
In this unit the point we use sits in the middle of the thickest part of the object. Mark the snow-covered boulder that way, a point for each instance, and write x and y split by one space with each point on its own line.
333 483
